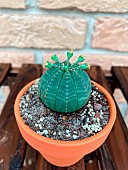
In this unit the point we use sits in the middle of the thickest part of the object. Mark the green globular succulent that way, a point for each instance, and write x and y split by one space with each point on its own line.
65 87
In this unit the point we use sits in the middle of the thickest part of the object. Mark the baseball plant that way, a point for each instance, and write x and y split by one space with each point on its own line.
65 87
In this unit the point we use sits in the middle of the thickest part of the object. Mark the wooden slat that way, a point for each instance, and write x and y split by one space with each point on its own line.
18 158
4 68
10 80
9 136
91 162
97 75
105 158
114 153
121 74
30 159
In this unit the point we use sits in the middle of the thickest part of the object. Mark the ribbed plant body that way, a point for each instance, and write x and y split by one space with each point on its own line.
64 87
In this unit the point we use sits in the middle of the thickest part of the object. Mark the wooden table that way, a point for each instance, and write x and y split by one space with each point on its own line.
16 154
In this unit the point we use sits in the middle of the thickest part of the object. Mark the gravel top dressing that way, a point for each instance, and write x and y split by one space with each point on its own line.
81 124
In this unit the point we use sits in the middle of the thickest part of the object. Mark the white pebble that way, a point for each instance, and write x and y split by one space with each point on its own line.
89 105
75 132
94 92
54 133
30 116
39 132
87 119
67 131
98 119
85 126
101 112
36 125
59 133
68 135
41 119
45 132
40 126
74 137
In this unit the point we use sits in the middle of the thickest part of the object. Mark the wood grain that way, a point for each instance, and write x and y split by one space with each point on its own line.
4 69
9 136
121 74
114 153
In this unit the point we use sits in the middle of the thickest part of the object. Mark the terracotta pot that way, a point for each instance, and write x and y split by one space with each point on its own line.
64 153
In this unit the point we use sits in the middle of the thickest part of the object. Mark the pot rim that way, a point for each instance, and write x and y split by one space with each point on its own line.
60 143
